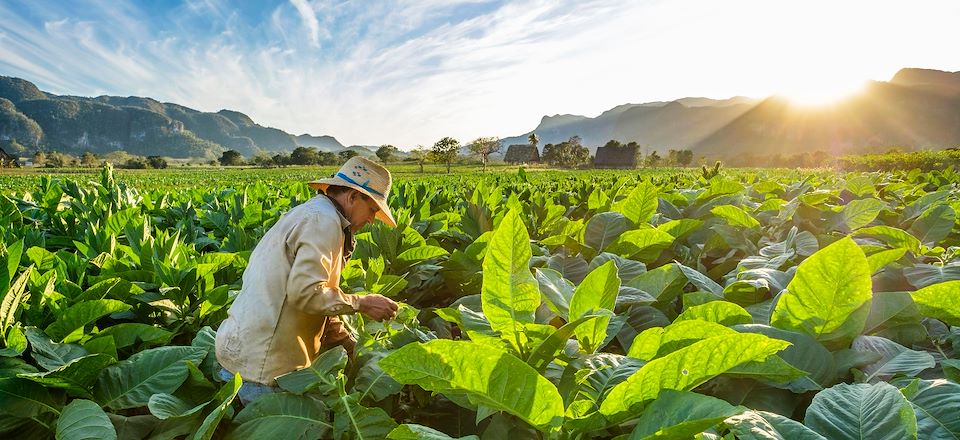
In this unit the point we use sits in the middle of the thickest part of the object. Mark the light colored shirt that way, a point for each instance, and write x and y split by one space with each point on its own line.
287 308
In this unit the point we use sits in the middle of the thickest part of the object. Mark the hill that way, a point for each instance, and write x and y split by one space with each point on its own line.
137 125
916 109
661 125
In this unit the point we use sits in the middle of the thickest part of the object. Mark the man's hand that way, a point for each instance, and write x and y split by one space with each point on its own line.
378 307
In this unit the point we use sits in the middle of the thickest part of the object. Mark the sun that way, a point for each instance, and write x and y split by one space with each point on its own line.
820 93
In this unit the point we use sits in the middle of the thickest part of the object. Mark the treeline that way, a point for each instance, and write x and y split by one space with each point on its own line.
927 160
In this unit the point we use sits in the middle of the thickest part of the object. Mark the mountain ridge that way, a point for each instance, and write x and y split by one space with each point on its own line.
137 125
917 108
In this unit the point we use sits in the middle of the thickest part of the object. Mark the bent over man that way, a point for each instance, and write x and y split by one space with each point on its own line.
286 312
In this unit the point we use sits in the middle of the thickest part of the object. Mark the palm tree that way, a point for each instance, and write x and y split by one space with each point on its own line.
533 139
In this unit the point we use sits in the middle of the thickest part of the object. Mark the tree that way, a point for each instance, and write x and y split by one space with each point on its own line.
387 153
484 147
57 159
231 158
345 155
567 154
304 156
88 159
280 159
533 139
420 155
445 151
653 160
328 158
39 158
157 162
262 160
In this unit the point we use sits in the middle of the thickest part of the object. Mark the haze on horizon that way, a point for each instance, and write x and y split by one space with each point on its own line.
409 72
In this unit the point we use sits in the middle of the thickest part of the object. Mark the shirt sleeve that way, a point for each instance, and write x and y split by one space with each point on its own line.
316 245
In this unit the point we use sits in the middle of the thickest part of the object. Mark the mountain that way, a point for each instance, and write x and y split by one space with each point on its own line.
138 125
661 125
321 143
917 108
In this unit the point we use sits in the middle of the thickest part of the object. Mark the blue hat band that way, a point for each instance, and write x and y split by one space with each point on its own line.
361 185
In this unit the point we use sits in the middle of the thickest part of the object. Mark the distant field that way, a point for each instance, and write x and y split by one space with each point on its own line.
21 179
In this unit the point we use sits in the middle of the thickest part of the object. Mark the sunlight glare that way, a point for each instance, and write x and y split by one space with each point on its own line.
821 93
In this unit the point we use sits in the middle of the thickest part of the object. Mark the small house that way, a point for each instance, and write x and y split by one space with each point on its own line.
8 161
620 156
522 153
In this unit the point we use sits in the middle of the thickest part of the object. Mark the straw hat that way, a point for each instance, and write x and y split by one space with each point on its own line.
366 176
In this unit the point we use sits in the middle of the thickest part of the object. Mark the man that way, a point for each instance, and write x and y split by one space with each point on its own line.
286 312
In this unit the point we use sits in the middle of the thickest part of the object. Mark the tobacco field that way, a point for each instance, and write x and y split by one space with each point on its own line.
673 304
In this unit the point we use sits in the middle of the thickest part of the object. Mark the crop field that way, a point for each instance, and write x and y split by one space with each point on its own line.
715 304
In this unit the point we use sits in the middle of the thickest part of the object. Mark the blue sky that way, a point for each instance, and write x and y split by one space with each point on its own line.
410 72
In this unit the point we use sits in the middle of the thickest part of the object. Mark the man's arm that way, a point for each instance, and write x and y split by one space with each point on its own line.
316 243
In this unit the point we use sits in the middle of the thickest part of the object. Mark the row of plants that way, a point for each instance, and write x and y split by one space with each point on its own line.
733 304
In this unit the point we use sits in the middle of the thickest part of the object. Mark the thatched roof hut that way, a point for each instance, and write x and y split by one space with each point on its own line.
522 153
8 161
622 156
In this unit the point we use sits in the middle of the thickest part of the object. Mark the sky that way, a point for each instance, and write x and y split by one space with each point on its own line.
409 72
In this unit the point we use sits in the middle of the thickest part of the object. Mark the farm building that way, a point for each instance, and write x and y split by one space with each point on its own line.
522 153
7 161
621 156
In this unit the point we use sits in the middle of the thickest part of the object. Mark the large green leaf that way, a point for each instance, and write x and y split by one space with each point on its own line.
320 376
663 283
9 260
167 406
641 244
894 358
804 353
656 342
720 312
224 398
940 301
862 411
700 280
130 383
84 420
492 377
687 368
677 414
735 216
549 348
12 298
604 228
937 404
409 431
76 376
50 355
934 225
128 333
859 213
352 421
556 290
762 425
283 415
371 381
829 297
597 291
640 205
893 237
510 294
23 398
81 314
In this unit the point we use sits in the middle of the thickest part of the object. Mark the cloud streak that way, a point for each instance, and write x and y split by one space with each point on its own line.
412 71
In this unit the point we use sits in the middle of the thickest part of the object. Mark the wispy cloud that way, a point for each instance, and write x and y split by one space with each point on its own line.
412 71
